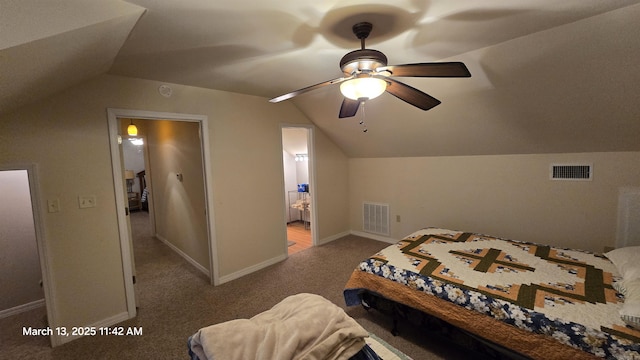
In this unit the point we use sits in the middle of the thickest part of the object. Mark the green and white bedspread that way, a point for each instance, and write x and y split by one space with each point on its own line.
566 294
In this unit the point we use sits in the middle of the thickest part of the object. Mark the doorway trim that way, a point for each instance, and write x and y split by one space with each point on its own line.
113 116
41 244
311 148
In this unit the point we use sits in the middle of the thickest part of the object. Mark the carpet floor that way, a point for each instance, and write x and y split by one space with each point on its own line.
175 300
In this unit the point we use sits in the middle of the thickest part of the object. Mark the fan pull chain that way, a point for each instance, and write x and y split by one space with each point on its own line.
364 126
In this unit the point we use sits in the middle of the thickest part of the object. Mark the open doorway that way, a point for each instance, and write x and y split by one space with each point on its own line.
174 184
165 186
24 276
298 181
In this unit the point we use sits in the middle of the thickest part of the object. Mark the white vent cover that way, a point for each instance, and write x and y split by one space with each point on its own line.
571 172
375 218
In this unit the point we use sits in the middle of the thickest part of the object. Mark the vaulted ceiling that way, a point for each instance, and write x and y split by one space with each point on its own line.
547 76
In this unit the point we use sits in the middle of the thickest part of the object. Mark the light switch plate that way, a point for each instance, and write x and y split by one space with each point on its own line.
85 202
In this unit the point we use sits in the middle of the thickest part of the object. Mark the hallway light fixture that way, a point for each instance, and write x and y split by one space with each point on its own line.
302 157
132 130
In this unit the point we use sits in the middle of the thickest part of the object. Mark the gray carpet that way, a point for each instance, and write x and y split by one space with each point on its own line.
176 300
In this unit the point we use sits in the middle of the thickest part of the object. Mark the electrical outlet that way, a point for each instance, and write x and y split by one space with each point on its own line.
53 205
397 218
87 201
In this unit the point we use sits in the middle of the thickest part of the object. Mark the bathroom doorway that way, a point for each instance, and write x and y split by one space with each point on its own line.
298 182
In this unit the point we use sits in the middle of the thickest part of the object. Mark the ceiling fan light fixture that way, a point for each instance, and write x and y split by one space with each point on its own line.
363 87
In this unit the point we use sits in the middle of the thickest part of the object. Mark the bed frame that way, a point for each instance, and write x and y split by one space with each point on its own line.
430 324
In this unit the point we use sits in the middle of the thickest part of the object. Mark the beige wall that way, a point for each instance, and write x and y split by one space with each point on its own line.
509 195
179 205
332 195
67 137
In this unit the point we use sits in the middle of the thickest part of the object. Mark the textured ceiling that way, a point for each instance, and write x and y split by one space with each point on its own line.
547 76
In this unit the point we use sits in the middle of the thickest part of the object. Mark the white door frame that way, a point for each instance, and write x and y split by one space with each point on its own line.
41 243
312 181
113 116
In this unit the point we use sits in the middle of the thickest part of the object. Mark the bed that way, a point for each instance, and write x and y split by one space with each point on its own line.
533 300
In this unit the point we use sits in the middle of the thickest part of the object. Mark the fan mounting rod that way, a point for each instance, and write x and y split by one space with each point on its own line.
362 31
362 60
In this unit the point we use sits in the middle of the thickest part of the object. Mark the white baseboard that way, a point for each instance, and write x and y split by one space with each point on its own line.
57 340
21 308
250 269
333 237
184 255
374 236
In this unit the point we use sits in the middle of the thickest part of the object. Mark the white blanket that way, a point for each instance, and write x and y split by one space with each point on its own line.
302 326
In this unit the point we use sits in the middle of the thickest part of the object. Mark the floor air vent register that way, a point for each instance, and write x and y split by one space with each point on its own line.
375 218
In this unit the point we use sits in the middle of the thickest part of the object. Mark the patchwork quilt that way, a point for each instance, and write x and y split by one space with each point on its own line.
561 294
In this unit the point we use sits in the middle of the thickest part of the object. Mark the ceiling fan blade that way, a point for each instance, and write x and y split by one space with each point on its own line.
308 88
411 95
348 108
442 69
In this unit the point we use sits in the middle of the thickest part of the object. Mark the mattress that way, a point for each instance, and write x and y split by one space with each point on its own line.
540 301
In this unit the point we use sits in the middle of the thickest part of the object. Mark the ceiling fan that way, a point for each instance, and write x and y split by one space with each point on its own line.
367 76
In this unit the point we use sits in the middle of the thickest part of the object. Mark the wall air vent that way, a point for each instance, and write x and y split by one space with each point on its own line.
375 218
580 172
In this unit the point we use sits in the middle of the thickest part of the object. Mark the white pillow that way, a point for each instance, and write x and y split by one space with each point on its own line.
630 312
627 261
632 291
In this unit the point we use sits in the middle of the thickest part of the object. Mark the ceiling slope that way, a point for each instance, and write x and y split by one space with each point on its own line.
47 47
